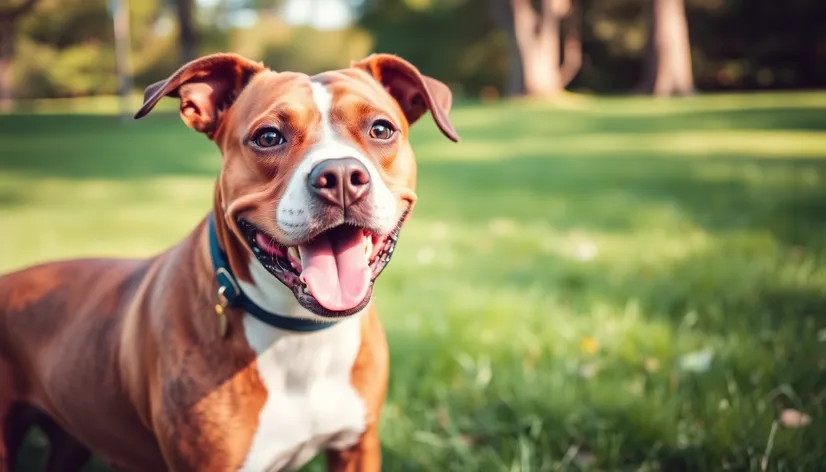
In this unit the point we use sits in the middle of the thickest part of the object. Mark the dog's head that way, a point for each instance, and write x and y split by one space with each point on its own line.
318 174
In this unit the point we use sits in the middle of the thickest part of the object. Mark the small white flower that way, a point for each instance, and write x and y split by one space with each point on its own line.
697 361
585 250
501 226
426 256
588 370
439 231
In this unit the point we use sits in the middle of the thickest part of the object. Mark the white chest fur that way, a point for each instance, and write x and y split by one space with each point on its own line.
311 403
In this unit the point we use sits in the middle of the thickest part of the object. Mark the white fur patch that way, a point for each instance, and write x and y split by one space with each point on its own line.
311 403
297 205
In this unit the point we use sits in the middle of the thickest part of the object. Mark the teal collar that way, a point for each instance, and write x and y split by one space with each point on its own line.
229 289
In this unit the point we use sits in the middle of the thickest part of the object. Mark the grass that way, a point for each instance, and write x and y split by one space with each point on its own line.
612 284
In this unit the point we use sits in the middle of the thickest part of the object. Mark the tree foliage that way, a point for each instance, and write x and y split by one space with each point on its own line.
65 47
455 40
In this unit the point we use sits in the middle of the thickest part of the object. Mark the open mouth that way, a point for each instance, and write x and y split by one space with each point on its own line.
331 274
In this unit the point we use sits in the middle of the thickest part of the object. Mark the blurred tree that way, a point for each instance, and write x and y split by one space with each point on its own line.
453 40
66 48
10 14
123 52
535 31
187 31
571 44
667 69
502 16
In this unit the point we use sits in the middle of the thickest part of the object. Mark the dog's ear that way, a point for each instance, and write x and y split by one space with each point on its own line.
206 87
416 93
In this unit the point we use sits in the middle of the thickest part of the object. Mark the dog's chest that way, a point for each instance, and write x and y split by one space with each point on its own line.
311 403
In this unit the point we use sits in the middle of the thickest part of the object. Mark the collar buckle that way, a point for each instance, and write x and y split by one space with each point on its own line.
225 282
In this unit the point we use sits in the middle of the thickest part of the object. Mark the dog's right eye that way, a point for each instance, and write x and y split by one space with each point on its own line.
268 137
382 129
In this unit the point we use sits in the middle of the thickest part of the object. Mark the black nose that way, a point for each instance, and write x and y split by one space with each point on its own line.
341 182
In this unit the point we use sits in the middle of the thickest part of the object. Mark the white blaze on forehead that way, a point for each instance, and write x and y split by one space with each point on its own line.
298 206
323 100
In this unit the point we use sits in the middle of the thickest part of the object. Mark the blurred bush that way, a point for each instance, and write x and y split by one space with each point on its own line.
454 40
301 48
64 48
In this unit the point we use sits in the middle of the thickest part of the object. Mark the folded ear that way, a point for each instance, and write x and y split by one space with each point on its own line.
206 87
415 93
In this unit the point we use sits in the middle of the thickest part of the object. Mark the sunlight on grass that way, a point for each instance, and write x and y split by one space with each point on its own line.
109 218
643 105
749 144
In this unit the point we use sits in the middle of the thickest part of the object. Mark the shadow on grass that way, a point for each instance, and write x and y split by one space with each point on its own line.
514 121
101 147
607 193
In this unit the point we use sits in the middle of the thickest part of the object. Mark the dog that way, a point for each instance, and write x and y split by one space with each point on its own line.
252 344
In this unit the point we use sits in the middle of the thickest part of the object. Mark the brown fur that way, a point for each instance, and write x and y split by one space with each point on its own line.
123 357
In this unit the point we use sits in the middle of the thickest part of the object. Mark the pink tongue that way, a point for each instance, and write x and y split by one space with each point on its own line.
334 267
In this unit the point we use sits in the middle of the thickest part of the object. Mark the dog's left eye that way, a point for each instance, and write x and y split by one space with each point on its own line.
381 129
268 137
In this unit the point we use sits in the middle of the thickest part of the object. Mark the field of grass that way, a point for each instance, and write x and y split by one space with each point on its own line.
612 284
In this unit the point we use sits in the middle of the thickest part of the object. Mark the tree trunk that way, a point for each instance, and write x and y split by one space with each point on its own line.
534 45
122 53
188 35
668 56
502 16
538 38
6 56
572 45
515 85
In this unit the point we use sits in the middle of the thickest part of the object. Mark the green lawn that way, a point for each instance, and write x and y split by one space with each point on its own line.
613 284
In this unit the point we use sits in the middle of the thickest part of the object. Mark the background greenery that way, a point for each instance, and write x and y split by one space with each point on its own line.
64 48
598 284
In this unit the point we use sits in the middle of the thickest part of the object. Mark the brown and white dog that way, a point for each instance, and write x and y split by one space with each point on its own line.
146 364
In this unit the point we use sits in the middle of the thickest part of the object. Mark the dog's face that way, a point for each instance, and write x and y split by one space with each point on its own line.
318 173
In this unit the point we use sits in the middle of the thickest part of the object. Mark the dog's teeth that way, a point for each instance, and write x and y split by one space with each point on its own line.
292 252
306 290
368 246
